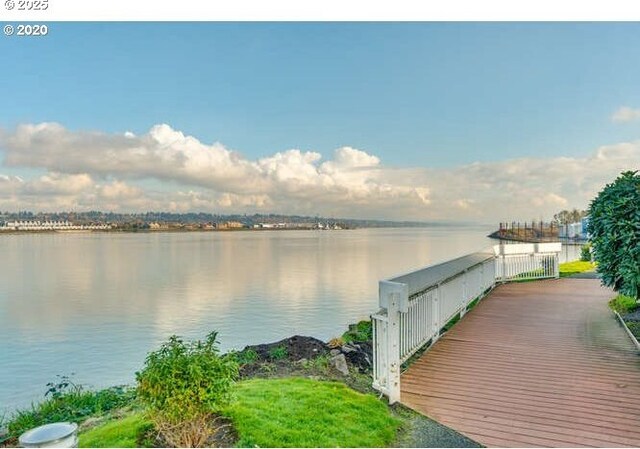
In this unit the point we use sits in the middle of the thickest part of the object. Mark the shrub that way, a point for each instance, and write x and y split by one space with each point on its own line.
623 304
185 384
614 223
278 353
246 357
362 331
585 253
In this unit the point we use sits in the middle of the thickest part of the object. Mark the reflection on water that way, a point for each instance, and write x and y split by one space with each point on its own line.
95 304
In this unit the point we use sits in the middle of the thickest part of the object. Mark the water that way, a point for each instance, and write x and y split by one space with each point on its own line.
94 304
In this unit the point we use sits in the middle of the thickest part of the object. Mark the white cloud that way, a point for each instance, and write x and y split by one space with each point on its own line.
626 114
93 170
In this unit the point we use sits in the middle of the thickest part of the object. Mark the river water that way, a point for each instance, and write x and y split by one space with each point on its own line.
94 304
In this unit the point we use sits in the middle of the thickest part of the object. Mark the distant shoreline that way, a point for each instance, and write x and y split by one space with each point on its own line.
155 231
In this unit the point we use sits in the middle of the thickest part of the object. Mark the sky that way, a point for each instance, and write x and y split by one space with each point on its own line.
477 122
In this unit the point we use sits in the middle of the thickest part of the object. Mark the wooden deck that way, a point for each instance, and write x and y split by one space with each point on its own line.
534 364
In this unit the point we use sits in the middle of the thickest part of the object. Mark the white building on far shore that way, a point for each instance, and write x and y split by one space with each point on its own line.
49 225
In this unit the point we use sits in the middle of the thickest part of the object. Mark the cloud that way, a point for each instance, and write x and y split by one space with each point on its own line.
95 170
626 114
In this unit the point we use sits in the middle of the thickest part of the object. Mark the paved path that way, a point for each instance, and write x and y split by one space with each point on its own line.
534 364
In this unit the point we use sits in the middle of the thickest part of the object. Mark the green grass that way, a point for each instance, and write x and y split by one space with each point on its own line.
121 433
298 412
69 403
289 412
623 304
575 267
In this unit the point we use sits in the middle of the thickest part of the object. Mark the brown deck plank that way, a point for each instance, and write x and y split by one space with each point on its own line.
534 364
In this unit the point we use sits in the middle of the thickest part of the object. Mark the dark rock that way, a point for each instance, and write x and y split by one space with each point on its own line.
347 348
361 356
298 347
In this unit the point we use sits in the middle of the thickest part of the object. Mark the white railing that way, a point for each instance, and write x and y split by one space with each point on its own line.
416 306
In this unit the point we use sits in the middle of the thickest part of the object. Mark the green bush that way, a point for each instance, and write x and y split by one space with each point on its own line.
623 304
184 380
278 353
66 401
245 357
185 384
614 223
362 331
585 253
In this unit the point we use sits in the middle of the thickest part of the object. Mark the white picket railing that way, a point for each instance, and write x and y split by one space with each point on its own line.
416 306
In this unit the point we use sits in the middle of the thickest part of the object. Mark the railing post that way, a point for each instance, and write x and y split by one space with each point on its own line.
435 313
465 292
556 265
394 297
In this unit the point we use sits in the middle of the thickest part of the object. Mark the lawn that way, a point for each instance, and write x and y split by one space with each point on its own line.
298 412
121 433
289 412
575 267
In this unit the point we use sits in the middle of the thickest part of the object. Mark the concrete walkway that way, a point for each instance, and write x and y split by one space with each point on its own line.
534 364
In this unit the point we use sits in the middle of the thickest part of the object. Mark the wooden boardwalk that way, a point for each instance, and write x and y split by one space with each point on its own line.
534 364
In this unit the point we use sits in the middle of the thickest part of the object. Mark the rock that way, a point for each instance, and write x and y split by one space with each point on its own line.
297 347
339 363
361 356
334 352
301 361
348 348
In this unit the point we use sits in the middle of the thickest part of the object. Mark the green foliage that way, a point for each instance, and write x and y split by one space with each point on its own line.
623 304
575 267
362 331
278 353
452 322
634 327
614 228
268 368
298 412
317 364
569 216
585 253
245 357
66 401
126 432
183 381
